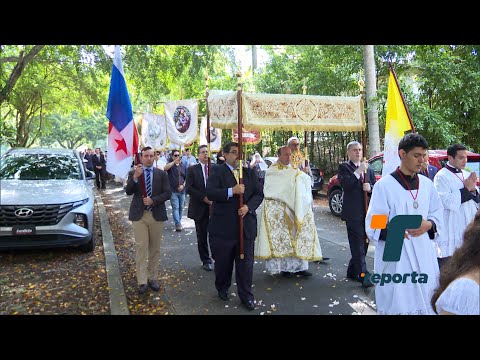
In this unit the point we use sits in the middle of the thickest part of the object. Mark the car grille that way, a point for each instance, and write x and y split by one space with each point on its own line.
43 215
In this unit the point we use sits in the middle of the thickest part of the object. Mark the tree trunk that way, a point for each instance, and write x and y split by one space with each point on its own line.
17 71
254 58
371 99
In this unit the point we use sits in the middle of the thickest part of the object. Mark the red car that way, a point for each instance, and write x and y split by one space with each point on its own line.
437 158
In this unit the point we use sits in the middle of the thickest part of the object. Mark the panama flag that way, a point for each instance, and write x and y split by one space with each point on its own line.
122 132
396 124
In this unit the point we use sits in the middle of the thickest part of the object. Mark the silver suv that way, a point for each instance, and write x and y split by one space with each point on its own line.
46 199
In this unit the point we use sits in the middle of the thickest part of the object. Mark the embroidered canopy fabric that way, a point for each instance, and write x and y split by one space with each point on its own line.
287 112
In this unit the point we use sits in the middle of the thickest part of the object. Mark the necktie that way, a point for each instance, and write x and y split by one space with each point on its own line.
148 186
205 174
237 175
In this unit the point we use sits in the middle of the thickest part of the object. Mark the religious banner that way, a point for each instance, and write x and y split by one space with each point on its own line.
303 112
248 137
154 133
182 121
215 136
223 108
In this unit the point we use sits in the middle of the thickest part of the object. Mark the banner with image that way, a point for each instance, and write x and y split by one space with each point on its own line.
182 121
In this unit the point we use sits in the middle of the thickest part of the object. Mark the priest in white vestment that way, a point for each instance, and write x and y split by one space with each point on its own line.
287 236
403 192
460 198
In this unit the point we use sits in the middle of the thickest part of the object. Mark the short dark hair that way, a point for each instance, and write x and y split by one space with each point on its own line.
145 149
412 140
452 149
226 148
174 151
200 148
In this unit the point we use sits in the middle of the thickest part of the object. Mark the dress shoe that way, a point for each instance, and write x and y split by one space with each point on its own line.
178 228
154 285
223 295
249 304
286 274
142 289
304 273
365 280
207 266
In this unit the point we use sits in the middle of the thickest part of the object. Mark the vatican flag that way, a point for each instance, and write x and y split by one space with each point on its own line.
396 125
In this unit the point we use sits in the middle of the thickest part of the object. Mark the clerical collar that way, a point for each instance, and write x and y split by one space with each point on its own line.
353 164
452 168
412 181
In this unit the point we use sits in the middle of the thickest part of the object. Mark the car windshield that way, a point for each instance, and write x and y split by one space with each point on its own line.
39 167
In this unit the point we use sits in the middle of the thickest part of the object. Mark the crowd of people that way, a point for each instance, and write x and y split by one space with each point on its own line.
439 258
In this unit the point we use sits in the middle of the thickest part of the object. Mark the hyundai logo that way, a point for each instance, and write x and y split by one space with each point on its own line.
24 212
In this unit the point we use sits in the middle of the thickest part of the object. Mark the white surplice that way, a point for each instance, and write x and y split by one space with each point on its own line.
418 253
456 215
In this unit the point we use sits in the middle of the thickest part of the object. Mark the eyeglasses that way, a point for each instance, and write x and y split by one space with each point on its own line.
175 155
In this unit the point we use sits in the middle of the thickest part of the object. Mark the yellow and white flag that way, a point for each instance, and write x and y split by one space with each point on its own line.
215 136
396 125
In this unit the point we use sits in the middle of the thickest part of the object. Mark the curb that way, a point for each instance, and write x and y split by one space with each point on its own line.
118 300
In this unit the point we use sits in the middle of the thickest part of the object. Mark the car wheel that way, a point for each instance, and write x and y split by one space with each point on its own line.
89 246
335 201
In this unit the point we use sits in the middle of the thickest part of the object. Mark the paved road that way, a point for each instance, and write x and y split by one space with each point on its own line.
326 292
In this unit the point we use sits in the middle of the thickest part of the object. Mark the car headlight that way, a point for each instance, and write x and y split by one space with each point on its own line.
79 203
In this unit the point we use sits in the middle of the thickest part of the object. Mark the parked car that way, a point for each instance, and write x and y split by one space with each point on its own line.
318 180
46 200
437 158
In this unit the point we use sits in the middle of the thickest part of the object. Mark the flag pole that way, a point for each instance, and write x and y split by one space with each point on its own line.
208 124
240 155
305 134
401 95
208 135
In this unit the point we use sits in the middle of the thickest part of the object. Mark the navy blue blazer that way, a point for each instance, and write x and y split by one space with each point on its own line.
353 207
432 171
224 221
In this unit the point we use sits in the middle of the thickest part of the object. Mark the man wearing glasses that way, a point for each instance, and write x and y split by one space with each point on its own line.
177 173
223 189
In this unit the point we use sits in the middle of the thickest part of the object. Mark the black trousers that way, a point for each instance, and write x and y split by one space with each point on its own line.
356 231
443 261
100 175
201 227
226 253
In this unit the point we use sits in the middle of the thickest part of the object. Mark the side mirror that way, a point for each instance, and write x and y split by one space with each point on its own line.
89 175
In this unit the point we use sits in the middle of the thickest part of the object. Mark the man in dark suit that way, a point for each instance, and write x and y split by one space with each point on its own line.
351 175
147 214
198 206
223 189
89 157
428 170
99 164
